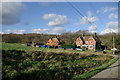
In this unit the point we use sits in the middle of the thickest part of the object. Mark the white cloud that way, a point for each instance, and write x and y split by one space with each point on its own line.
89 19
8 31
55 30
92 28
1 32
58 30
110 28
112 15
98 12
109 9
56 20
49 16
11 12
84 20
14 31
113 25
45 31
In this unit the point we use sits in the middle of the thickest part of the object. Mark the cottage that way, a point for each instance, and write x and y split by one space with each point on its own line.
54 41
89 42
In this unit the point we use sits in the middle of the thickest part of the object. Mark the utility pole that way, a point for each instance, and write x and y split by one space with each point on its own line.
113 45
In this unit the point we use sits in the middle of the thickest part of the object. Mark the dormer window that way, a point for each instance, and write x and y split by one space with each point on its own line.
91 42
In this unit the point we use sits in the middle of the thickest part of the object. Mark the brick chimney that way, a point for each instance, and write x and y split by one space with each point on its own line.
82 35
55 36
94 34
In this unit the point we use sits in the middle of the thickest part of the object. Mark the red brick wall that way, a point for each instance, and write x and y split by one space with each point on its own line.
79 40
53 43
94 42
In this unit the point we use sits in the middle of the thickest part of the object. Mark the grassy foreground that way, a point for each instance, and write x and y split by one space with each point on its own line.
16 46
94 71
31 63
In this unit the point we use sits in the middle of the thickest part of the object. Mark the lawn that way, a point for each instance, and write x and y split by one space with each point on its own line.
31 63
16 46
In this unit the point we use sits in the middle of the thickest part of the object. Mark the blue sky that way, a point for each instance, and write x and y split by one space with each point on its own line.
59 17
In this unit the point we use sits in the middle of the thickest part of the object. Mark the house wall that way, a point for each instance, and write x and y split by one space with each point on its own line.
93 47
50 42
90 46
79 40
56 40
94 42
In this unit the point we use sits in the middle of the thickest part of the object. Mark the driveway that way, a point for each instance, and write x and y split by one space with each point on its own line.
110 72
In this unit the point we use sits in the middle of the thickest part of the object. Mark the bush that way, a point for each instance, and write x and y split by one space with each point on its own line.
13 39
83 48
68 45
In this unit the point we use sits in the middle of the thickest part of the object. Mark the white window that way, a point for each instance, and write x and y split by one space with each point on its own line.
90 46
79 42
91 41
78 45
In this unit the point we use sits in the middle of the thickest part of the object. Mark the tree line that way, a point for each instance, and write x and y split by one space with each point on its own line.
68 38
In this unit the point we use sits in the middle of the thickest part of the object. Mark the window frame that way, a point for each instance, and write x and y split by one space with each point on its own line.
91 42
91 46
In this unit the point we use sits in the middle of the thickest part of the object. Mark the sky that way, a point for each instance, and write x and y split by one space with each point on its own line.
59 17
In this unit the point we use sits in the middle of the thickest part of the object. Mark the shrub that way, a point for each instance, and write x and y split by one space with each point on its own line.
68 45
83 48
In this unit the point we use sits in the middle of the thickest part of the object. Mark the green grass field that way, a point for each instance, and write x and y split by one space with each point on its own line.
16 46
33 63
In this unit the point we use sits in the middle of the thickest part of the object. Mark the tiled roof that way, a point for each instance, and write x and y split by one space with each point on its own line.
57 39
97 39
85 38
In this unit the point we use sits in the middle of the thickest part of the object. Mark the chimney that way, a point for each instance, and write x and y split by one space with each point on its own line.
55 36
82 35
94 34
